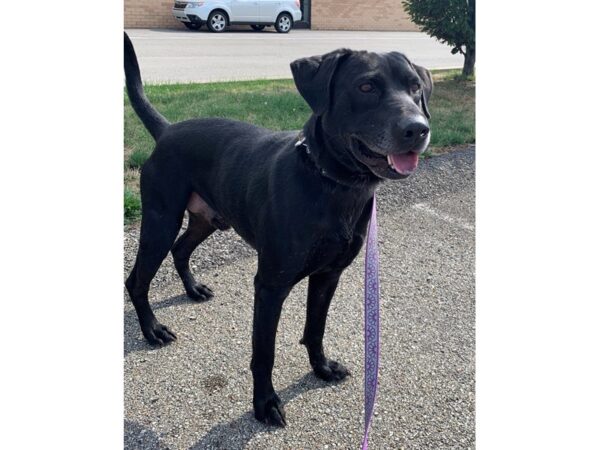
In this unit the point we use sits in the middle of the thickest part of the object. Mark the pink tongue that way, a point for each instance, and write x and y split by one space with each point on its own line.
405 163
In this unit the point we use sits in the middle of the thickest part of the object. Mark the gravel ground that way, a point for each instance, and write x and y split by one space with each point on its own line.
197 392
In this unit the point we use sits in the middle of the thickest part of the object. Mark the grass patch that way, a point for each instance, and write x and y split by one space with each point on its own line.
276 104
138 157
132 204
452 111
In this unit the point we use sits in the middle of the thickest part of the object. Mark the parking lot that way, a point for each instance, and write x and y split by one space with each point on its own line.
169 56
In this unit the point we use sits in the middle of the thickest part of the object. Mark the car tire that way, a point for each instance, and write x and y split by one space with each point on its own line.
192 26
258 27
284 23
217 21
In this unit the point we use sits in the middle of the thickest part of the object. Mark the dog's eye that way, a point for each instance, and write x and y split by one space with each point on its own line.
415 87
366 87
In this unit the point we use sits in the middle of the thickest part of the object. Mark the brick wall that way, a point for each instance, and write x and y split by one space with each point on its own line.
150 14
380 15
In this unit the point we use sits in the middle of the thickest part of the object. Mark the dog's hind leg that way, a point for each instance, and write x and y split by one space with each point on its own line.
159 229
198 230
321 288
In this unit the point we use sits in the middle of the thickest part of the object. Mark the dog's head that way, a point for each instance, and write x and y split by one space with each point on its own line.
376 103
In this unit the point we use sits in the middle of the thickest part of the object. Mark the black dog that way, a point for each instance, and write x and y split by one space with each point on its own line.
302 201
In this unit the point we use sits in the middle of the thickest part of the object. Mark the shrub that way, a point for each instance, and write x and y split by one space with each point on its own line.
132 204
451 22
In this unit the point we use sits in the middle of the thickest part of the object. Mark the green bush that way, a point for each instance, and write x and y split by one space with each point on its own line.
137 158
450 21
132 204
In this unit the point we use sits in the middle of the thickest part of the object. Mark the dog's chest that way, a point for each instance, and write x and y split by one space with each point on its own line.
337 245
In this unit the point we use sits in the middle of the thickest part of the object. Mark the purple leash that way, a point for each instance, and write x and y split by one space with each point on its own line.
371 321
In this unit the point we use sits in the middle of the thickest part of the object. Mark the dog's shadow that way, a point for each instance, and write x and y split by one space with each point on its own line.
236 434
136 436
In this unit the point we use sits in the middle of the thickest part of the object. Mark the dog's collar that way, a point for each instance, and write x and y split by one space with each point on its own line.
302 144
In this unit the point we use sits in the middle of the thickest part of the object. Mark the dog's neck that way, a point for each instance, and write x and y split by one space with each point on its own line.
332 158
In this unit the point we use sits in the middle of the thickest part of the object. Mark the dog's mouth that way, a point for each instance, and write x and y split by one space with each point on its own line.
404 163
396 165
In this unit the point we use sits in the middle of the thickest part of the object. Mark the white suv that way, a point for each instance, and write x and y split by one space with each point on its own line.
218 14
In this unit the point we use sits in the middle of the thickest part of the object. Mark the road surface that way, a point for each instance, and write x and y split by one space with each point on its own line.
169 56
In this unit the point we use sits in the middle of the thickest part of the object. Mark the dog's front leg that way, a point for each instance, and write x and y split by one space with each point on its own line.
321 288
268 301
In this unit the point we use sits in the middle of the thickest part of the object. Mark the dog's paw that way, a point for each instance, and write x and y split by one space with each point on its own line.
270 411
199 292
158 334
331 371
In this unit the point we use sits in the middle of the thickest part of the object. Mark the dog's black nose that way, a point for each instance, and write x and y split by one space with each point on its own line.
413 132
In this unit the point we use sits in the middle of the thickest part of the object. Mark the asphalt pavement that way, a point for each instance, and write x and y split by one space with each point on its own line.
197 392
169 56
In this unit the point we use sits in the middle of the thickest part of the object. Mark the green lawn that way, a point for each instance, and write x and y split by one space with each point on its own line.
276 104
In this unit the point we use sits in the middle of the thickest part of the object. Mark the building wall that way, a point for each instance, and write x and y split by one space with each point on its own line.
372 15
326 15
150 14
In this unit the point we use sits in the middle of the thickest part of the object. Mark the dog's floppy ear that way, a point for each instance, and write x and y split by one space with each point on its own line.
313 77
425 77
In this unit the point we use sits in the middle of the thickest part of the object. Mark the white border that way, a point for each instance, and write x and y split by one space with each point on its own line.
537 227
61 230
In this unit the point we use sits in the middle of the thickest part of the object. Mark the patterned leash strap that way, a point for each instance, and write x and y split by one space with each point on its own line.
371 321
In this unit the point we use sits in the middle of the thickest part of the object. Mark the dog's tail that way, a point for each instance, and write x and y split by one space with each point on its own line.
154 122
